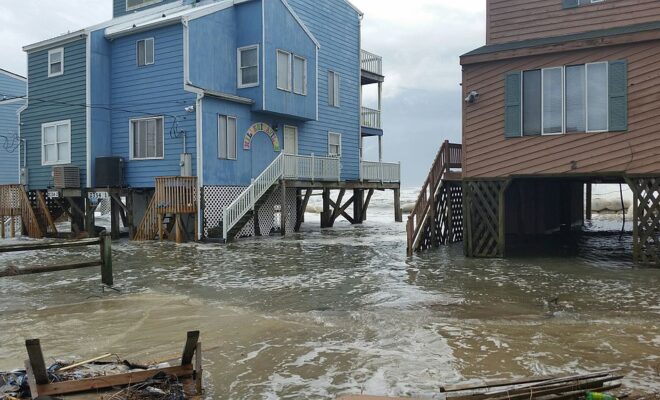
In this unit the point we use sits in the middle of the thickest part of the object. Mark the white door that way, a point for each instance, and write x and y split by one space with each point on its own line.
291 148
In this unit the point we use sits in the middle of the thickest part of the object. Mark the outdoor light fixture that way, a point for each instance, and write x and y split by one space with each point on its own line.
472 97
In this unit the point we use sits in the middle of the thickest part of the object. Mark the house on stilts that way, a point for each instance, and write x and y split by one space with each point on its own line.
562 96
203 120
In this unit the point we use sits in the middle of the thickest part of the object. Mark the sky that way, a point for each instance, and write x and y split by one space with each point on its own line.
420 42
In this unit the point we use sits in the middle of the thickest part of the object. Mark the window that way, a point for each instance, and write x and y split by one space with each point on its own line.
248 66
56 62
136 4
565 99
334 144
227 137
283 70
299 75
333 88
145 52
147 138
56 143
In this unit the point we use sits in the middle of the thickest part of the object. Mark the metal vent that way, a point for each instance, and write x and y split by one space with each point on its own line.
66 177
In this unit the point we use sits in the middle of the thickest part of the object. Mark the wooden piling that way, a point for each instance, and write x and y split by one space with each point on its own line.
114 219
398 213
106 259
588 199
358 204
37 364
326 214
283 209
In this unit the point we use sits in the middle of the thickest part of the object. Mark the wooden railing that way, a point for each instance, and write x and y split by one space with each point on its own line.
380 172
371 118
371 62
10 208
174 195
312 168
449 156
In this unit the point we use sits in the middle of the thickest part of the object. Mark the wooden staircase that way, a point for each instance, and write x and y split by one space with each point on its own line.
437 217
249 216
174 198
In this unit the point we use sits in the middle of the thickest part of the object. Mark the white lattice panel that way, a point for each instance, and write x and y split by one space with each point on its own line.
216 198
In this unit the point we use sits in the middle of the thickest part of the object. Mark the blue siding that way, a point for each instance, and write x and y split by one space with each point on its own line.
9 143
249 23
336 26
101 116
283 32
56 99
119 7
11 86
154 90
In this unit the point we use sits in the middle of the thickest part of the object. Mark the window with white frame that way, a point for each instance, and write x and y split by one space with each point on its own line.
145 52
56 62
334 144
248 66
283 70
136 4
299 75
56 143
226 137
333 88
147 138
565 99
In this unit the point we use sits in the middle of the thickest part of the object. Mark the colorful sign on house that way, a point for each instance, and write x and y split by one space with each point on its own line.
261 127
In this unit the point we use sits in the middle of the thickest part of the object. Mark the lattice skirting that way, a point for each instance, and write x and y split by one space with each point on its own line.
482 212
216 198
646 220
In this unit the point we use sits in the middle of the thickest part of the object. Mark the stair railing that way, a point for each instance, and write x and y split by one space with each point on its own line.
449 156
247 200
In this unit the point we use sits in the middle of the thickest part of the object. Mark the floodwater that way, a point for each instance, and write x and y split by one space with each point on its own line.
343 310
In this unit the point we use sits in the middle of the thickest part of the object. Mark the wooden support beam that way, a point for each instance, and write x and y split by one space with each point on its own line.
130 218
199 369
398 213
283 208
326 213
341 210
588 200
358 203
90 224
44 209
37 364
34 390
178 228
302 208
337 206
192 339
107 277
365 208
114 218
2 226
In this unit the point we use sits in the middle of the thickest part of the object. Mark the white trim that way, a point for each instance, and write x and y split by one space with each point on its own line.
131 137
293 74
357 10
55 124
336 84
228 117
331 133
263 54
60 40
317 84
88 113
146 3
200 160
59 50
186 52
239 68
295 130
137 52
289 79
13 100
301 23
563 96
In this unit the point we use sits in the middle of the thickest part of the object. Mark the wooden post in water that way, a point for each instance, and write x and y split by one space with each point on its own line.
283 209
106 259
326 214
2 226
358 204
398 214
588 202
114 219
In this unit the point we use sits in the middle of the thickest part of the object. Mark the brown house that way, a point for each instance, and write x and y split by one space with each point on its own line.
565 93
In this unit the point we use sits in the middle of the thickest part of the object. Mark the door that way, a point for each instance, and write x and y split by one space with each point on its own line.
291 148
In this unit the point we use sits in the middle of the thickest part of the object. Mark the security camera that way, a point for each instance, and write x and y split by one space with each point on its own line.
190 109
472 97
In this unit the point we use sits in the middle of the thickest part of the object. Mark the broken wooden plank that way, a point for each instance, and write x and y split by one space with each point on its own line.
47 246
34 391
37 364
500 383
39 269
108 381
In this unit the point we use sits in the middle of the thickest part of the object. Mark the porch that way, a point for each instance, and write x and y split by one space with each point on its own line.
372 73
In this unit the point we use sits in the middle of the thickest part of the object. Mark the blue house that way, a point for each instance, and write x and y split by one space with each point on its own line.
12 98
242 97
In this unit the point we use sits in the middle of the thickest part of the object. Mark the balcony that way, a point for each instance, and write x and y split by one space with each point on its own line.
371 122
371 171
372 68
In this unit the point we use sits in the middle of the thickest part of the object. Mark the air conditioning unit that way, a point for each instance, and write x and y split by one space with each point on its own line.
109 172
66 177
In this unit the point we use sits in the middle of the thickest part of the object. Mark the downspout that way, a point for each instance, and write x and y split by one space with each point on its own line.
200 162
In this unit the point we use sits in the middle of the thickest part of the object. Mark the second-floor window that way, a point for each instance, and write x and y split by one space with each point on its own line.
565 99
56 143
283 70
136 4
145 52
334 83
299 75
579 3
56 62
147 138
334 144
227 137
248 66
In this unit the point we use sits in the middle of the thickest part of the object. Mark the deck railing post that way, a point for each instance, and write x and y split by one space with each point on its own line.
313 168
106 259
252 202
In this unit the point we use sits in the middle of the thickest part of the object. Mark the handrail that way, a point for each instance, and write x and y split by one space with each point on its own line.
371 62
449 156
380 171
371 118
247 200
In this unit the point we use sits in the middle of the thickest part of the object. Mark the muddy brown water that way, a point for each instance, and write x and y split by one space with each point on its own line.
317 314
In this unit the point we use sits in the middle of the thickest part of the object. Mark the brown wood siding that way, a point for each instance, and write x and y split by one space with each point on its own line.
514 20
487 153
